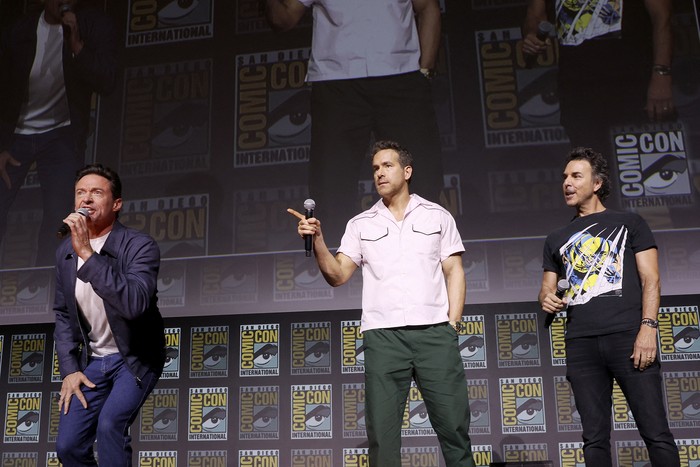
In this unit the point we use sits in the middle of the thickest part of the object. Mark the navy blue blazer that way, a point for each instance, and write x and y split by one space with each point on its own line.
124 274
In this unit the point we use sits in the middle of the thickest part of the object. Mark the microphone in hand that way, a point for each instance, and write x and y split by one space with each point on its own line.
562 286
64 230
309 206
543 31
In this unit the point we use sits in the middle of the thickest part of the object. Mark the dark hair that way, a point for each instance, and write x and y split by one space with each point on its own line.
98 169
599 167
405 157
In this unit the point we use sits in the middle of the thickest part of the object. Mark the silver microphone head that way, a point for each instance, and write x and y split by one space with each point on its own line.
309 204
563 285
83 212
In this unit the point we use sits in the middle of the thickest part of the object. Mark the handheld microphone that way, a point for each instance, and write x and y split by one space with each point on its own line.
562 286
309 206
65 230
543 31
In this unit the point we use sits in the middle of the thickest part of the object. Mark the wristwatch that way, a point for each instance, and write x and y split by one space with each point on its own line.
457 325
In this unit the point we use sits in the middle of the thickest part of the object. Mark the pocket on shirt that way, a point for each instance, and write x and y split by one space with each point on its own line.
426 238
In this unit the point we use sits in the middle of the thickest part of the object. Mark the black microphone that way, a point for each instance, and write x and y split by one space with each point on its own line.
309 206
65 230
562 286
543 31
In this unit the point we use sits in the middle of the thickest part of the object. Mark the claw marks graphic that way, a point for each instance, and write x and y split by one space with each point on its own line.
593 259
582 20
259 350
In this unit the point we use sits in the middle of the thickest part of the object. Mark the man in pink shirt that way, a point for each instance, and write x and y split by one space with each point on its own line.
412 301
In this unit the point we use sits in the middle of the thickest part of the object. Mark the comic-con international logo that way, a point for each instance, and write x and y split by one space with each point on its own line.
312 457
476 270
517 453
27 358
679 333
157 459
55 370
159 415
260 222
652 167
424 456
209 352
522 261
571 454
482 454
516 109
259 412
623 419
25 292
166 121
154 22
298 279
682 389
207 458
171 283
415 416
355 457
354 425
689 451
258 457
537 190
52 459
353 348
226 282
311 411
472 342
518 341
273 112
177 223
22 419
631 454
557 336
208 414
568 418
20 459
171 369
480 416
54 417
311 348
259 347
522 405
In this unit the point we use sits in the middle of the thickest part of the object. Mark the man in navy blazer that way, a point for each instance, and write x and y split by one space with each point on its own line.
109 333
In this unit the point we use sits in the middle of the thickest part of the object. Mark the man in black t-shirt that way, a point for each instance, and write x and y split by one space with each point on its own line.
610 261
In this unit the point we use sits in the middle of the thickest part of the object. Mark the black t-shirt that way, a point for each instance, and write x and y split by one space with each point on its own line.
596 254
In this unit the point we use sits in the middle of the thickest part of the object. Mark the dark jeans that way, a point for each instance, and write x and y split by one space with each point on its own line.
345 113
429 355
112 407
591 365
57 161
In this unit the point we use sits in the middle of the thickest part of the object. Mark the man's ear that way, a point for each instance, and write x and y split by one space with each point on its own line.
407 172
117 205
